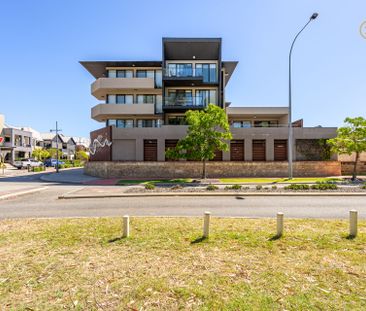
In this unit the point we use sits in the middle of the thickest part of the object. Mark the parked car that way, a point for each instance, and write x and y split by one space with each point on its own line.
52 162
26 163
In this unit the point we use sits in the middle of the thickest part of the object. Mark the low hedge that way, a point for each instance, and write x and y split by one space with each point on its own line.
211 187
324 186
297 187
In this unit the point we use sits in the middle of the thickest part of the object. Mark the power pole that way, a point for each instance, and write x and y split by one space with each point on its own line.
56 130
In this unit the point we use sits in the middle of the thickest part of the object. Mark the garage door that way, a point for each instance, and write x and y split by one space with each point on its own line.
170 143
150 150
280 150
259 150
237 150
218 156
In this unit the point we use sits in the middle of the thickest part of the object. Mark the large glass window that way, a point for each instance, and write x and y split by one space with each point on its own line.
205 97
158 79
145 99
112 73
207 71
242 124
111 122
124 123
180 70
124 73
149 123
180 97
120 99
177 120
159 104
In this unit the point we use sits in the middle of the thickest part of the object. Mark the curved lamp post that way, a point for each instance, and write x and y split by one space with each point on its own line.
290 130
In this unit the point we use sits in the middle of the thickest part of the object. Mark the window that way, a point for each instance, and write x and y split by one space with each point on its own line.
177 120
180 70
145 74
158 104
241 124
207 71
112 73
149 123
124 99
158 79
124 123
145 99
7 139
180 97
124 73
205 97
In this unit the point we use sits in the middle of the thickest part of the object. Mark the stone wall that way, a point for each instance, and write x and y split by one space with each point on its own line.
181 169
347 168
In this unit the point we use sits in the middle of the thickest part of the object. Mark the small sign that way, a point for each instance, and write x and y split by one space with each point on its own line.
1 140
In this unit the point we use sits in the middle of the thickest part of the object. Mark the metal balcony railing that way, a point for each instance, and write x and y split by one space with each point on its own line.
207 75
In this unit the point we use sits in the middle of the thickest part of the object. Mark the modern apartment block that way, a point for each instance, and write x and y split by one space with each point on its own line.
142 106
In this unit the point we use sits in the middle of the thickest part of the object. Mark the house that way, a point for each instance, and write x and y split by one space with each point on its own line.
65 144
16 143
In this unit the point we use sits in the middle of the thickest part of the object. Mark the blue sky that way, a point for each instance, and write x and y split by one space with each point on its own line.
42 42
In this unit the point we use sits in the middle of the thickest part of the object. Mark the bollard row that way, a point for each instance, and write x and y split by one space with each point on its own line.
353 215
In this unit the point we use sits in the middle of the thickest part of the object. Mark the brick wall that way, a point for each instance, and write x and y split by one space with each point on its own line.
347 168
183 169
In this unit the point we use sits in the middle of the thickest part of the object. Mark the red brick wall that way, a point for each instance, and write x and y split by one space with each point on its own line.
347 168
102 153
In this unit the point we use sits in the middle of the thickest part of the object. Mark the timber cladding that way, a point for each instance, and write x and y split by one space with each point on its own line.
259 150
237 150
193 169
150 150
101 153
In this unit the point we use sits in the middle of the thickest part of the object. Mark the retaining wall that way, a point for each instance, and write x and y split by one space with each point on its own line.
181 169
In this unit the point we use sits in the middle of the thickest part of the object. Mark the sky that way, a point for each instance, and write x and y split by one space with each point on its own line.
42 42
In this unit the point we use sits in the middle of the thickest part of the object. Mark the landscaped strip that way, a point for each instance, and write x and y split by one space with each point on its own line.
164 265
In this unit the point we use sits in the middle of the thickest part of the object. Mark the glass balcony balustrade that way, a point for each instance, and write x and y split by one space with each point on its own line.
186 102
208 75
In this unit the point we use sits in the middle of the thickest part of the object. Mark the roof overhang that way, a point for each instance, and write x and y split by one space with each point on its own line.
229 67
98 68
192 48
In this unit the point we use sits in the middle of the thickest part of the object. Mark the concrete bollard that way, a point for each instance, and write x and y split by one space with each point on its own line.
353 223
206 224
126 226
279 224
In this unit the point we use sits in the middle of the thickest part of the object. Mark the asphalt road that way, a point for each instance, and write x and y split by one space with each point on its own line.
46 204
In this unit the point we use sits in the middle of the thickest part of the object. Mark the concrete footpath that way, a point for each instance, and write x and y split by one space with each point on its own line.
71 175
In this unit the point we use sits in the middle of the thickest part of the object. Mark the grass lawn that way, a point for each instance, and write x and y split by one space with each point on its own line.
278 180
82 264
123 182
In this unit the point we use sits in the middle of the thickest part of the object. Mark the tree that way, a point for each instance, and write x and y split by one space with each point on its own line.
351 139
40 154
82 155
208 131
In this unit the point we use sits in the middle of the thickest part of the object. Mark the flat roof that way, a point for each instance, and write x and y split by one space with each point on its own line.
97 68
192 48
279 111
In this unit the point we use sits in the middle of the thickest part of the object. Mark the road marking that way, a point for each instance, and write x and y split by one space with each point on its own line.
20 193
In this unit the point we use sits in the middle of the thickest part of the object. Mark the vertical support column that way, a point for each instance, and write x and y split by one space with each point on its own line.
353 223
126 226
206 224
269 149
139 149
248 149
161 149
279 224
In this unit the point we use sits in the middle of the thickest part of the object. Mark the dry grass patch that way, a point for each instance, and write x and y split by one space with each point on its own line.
83 264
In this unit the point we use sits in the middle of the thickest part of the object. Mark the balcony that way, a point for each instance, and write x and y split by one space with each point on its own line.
103 86
182 103
189 76
103 112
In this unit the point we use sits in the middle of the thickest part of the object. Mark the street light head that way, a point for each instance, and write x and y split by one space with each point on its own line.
314 16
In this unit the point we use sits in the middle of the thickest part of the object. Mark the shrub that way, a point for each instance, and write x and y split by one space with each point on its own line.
297 187
258 187
363 187
38 169
149 186
324 186
274 187
211 187
233 187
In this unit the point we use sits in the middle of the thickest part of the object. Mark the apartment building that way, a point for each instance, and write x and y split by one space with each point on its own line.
142 106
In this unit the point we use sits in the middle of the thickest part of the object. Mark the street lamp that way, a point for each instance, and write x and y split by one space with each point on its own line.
290 130
56 130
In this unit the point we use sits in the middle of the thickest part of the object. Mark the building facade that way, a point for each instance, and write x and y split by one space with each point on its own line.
143 105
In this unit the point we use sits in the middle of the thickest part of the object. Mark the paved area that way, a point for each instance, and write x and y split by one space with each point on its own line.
47 204
72 175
